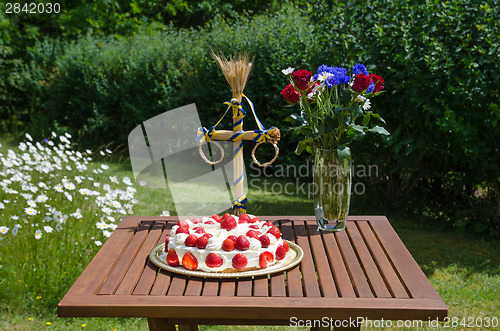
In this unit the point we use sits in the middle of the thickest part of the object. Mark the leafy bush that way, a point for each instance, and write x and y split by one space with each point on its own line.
440 68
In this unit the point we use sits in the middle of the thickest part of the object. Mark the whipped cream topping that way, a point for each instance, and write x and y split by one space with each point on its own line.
214 244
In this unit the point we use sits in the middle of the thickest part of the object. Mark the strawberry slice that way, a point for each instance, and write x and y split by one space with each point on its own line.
228 223
213 260
195 220
216 218
287 247
167 240
189 261
268 223
280 252
244 219
275 232
253 226
182 229
172 258
253 234
255 219
239 261
209 222
182 224
265 258
201 243
228 245
191 240
242 243
199 230
265 241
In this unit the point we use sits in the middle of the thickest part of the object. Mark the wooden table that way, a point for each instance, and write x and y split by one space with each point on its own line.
365 271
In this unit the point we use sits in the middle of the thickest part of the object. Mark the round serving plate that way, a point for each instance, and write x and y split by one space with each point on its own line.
293 258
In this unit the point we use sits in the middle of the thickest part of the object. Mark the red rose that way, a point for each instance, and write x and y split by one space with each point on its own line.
378 81
301 78
361 82
290 94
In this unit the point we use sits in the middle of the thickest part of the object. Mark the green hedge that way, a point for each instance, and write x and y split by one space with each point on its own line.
439 61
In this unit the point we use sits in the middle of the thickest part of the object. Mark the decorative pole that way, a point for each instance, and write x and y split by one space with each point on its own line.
236 71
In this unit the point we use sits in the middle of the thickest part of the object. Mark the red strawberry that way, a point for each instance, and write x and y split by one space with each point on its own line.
264 240
213 260
199 230
232 237
228 223
196 220
240 261
191 240
275 232
182 229
182 224
265 258
201 243
268 223
287 247
253 226
189 261
208 235
228 245
172 258
280 252
244 219
242 243
226 215
209 222
255 219
253 234
216 218
167 240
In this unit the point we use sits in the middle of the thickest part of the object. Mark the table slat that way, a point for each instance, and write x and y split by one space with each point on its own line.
293 276
260 286
390 276
356 273
325 276
177 285
412 276
244 287
137 267
310 281
211 287
126 259
374 277
340 274
278 287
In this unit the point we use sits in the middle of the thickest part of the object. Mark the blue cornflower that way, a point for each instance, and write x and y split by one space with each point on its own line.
333 75
370 88
359 69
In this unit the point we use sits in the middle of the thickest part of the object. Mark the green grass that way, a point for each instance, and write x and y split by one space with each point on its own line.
464 270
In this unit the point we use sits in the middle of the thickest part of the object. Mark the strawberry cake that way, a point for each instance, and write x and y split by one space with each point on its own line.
227 244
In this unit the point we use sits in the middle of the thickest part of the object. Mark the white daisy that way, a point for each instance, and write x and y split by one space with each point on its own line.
30 211
64 139
69 186
98 243
287 71
68 196
108 151
106 233
58 227
102 153
38 234
22 146
48 229
42 198
58 188
67 135
31 203
165 213
83 191
142 183
4 230
105 166
29 136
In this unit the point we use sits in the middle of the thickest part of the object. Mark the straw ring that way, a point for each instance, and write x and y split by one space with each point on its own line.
276 153
205 158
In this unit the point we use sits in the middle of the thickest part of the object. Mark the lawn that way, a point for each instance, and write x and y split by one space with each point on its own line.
464 270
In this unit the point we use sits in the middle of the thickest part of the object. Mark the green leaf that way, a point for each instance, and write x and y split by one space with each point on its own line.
379 130
366 119
345 96
359 128
359 136
357 111
343 152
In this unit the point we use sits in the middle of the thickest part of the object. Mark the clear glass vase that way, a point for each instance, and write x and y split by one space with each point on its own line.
332 189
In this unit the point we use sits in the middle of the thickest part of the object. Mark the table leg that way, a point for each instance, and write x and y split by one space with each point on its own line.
188 327
160 324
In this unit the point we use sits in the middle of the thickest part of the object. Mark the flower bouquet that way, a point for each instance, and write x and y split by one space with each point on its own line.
334 111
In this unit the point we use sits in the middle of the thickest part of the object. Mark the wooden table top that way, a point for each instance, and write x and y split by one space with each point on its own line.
364 271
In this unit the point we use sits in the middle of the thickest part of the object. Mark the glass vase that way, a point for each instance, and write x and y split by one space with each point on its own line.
332 189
